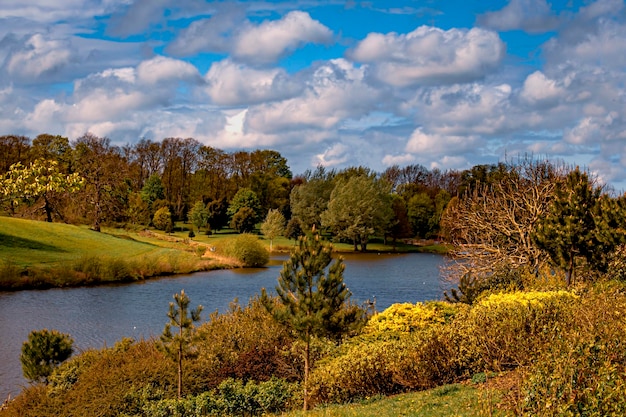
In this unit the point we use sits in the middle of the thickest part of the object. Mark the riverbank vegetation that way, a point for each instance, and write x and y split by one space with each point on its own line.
535 323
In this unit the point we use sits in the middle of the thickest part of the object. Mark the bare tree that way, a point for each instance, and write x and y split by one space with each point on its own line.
491 226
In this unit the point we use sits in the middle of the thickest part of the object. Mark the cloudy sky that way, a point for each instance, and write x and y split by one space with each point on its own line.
447 84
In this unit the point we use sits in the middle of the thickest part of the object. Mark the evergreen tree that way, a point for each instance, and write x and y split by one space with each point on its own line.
177 346
313 300
568 231
43 351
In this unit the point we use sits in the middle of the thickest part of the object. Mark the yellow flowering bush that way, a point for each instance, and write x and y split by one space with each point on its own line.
506 330
536 299
407 317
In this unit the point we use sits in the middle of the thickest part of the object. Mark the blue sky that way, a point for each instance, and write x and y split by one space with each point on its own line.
445 84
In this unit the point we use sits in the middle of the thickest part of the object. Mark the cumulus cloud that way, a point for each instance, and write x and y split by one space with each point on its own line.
162 69
430 55
335 155
230 83
39 56
214 34
540 89
532 16
336 91
271 40
422 142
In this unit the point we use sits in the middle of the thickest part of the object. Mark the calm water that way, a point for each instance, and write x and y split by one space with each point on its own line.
99 316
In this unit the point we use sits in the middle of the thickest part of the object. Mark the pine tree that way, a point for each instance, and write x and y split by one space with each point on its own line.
43 351
177 346
568 230
313 300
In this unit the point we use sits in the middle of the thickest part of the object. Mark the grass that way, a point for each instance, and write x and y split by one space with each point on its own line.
28 243
458 400
36 254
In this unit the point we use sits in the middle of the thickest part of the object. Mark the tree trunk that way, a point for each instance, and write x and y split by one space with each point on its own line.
307 353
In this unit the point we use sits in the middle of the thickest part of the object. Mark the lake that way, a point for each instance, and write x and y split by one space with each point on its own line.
99 316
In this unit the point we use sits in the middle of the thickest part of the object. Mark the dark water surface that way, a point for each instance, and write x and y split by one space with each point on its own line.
99 316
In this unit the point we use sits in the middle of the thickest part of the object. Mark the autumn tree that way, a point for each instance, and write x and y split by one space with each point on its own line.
41 179
43 351
313 300
104 170
273 225
359 207
178 345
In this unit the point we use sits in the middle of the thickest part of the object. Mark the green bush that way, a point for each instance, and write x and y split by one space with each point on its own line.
247 249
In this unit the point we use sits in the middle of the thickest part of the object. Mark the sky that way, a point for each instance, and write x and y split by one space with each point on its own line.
445 84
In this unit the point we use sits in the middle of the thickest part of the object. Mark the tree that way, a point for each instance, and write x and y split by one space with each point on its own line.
42 352
567 231
218 213
359 207
399 227
313 300
245 197
491 225
163 219
293 229
40 179
178 346
244 221
420 211
199 215
274 225
310 199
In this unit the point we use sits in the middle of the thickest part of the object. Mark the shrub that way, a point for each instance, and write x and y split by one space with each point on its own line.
506 330
409 317
378 365
583 371
247 249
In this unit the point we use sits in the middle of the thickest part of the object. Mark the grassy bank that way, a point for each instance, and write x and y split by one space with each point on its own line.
36 254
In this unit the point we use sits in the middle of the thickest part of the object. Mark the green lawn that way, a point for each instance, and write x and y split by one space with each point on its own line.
28 243
458 400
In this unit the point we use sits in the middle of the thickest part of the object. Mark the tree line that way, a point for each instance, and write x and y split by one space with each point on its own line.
503 220
91 181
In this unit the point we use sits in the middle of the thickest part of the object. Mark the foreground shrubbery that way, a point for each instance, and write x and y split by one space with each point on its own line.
566 348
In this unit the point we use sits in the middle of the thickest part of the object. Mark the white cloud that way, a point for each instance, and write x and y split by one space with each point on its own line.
533 16
161 69
271 40
38 57
401 160
429 55
540 89
230 84
335 155
422 143
336 91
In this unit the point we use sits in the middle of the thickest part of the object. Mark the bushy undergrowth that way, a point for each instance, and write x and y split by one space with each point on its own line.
582 372
247 249
568 347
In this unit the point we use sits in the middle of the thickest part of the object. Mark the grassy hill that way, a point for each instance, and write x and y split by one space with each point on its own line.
37 254
28 243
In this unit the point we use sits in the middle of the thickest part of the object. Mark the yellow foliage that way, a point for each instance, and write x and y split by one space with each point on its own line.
530 298
407 317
